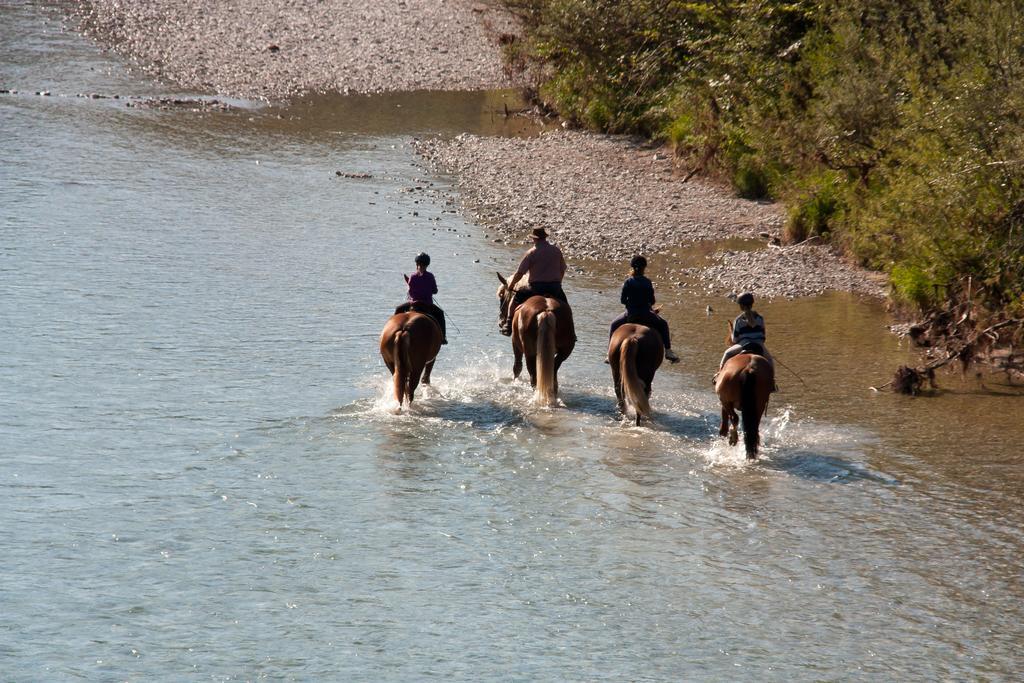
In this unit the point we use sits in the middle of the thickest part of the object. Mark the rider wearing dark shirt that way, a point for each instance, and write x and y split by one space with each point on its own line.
638 298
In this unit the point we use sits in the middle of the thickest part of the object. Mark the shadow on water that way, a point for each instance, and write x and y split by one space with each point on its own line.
683 426
823 468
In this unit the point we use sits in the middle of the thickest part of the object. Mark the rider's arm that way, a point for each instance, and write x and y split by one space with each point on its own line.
524 267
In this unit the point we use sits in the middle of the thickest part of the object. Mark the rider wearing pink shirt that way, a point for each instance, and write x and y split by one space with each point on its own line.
422 288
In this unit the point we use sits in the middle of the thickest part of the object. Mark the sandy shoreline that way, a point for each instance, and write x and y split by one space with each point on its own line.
609 197
604 197
272 49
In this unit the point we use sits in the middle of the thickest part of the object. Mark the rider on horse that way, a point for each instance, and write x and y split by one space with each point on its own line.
748 333
546 268
422 287
638 298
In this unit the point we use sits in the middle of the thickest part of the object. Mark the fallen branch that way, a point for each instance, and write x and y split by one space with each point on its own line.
908 380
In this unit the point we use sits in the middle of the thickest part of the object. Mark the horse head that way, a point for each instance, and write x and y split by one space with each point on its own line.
505 294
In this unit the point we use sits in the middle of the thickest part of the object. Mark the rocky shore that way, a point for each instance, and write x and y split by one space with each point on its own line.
609 197
603 197
274 49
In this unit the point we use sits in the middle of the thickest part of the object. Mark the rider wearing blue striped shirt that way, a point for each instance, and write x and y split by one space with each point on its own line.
748 333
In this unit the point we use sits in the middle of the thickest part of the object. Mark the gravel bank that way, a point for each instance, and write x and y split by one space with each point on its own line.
274 49
799 270
610 197
603 196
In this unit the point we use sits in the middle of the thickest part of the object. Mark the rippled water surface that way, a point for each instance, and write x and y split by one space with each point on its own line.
201 475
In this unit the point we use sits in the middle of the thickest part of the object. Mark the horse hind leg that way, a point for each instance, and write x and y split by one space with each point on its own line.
723 429
734 421
531 369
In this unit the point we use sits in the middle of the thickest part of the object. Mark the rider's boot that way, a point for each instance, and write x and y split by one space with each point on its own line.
671 356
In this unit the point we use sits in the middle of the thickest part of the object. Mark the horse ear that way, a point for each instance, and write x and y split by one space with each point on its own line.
502 280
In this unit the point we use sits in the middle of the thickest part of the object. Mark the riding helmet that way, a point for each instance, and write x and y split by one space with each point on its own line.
745 299
638 262
422 259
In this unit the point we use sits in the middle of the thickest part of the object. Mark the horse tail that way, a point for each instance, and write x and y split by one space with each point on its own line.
749 406
403 366
546 323
632 386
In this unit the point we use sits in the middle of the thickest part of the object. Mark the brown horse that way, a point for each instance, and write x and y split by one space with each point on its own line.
635 352
409 344
744 384
543 332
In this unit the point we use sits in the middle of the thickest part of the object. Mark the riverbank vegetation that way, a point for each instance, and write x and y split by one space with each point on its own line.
893 129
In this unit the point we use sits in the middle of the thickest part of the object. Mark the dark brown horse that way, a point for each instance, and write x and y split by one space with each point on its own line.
409 344
745 384
543 332
635 352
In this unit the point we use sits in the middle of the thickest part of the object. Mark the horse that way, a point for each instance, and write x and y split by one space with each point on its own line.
409 345
745 384
635 352
543 332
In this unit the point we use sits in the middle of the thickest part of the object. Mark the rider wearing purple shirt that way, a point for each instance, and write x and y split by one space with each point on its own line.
422 288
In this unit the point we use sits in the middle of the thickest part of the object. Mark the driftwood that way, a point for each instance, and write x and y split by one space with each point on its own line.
908 380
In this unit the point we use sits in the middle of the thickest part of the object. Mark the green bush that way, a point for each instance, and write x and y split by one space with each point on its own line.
750 178
680 133
891 127
815 211
911 285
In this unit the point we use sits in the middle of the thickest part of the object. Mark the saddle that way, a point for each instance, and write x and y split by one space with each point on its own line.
754 348
419 307
644 318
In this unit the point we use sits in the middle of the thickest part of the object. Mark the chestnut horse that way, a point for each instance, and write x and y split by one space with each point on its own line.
409 344
745 384
543 332
635 352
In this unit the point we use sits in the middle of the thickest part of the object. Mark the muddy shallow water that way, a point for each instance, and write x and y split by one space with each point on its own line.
202 474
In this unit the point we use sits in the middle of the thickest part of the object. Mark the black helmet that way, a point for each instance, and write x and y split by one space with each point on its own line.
422 259
745 299
638 262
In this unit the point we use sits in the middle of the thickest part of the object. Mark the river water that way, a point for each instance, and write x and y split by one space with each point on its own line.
202 477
